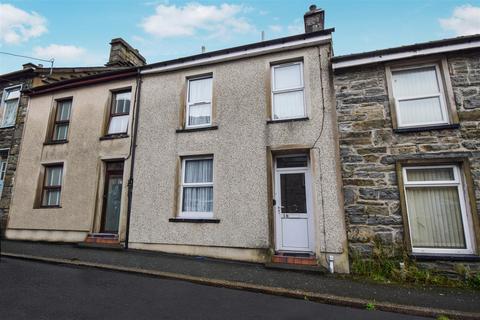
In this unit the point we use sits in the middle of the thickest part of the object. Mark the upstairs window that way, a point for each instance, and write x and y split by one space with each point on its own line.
119 113
62 120
10 100
199 102
419 98
288 91
197 188
52 186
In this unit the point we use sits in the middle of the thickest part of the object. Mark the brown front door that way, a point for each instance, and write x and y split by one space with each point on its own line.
112 197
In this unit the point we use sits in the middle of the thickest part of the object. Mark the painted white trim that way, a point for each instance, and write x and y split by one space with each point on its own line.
195 215
405 54
187 113
440 95
456 182
3 103
243 54
301 88
309 198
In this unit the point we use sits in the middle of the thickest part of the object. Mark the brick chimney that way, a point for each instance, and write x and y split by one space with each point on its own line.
123 55
314 19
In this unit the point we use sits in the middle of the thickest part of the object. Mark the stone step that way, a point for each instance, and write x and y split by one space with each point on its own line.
303 260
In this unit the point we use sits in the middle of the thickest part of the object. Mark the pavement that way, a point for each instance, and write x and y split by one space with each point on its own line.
332 289
34 290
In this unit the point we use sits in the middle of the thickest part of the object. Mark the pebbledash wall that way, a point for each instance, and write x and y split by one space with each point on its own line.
242 142
371 150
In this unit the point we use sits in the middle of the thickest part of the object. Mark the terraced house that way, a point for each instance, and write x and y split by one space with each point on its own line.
409 123
75 155
237 157
14 106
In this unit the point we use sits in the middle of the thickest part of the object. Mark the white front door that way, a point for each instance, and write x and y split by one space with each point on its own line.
293 204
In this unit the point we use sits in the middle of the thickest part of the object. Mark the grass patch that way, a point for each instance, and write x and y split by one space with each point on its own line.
389 264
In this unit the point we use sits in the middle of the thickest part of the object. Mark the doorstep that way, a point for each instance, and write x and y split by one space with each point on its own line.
295 261
101 241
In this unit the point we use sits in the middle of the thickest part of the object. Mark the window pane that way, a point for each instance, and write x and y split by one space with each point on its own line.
435 217
292 162
118 124
416 82
51 198
122 103
420 111
199 114
199 171
10 113
435 174
63 111
293 194
287 77
200 90
60 132
12 94
54 176
288 105
197 199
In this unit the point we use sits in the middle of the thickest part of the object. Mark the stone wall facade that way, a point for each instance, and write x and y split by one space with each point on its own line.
370 149
10 139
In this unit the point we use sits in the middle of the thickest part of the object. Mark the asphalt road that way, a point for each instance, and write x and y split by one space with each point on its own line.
32 290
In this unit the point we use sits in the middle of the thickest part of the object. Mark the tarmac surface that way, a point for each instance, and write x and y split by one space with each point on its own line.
34 290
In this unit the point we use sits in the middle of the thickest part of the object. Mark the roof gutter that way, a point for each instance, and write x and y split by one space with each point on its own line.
377 58
97 78
295 44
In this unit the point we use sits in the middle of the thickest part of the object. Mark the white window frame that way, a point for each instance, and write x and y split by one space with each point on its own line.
440 94
195 214
3 104
3 170
458 182
293 89
187 125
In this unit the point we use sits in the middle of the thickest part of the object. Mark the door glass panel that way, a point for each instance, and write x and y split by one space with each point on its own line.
114 197
293 195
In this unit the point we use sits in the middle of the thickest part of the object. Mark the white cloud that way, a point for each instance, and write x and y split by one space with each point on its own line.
172 21
18 26
464 20
60 52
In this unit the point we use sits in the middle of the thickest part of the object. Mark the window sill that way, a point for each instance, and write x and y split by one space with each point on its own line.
444 257
53 142
192 220
288 120
196 129
114 136
8 127
48 207
427 128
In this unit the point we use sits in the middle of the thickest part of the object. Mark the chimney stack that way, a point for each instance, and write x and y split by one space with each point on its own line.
123 55
314 19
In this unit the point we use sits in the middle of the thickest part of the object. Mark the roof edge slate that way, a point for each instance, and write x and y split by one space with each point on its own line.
411 47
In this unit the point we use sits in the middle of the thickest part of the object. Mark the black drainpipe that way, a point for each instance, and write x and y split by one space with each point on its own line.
132 162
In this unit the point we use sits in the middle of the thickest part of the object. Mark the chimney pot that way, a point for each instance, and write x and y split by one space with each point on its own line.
314 19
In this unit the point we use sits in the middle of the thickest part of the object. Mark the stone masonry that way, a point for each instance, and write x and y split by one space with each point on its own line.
370 148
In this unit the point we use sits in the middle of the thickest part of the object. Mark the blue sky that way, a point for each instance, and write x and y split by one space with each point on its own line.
77 33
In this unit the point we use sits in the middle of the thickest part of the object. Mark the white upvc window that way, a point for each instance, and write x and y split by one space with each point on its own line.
288 101
199 102
10 100
437 210
197 188
119 113
419 96
3 168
